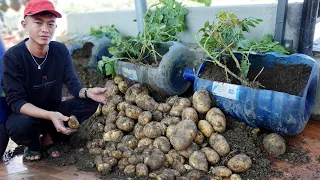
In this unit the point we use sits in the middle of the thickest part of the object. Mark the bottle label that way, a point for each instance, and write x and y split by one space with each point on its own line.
225 90
130 73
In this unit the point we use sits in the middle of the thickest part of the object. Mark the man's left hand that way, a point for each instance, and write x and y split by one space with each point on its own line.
97 94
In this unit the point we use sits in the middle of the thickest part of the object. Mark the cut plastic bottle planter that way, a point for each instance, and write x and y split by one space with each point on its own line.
283 113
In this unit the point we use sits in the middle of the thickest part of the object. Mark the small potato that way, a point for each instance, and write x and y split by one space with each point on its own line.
116 99
132 92
205 128
138 131
164 107
118 79
240 163
146 102
199 161
217 119
145 142
98 127
107 108
104 168
135 159
130 170
190 113
170 120
122 106
156 160
201 101
168 159
199 138
176 156
95 151
127 154
98 111
235 177
109 126
169 173
145 117
122 147
113 135
98 160
187 152
179 167
157 116
220 171
171 100
179 106
274 144
219 144
152 130
162 143
142 170
116 154
125 124
170 130
130 141
110 160
211 155
133 112
123 86
111 117
194 174
111 91
123 163
73 122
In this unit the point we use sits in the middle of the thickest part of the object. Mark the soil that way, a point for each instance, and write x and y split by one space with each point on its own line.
288 79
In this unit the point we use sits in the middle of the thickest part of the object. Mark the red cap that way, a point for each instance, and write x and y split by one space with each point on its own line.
36 6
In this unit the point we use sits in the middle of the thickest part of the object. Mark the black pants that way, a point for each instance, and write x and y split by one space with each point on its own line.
25 130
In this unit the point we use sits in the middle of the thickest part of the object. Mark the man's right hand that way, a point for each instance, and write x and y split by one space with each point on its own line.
58 121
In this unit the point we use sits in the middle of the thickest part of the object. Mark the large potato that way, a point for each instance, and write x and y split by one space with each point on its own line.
185 132
240 163
125 124
146 102
113 135
205 128
199 161
153 129
179 106
190 113
201 101
221 171
219 144
133 112
217 119
142 170
162 143
145 117
211 155
274 144
156 160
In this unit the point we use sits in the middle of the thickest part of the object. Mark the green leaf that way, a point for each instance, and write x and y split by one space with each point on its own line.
206 24
245 44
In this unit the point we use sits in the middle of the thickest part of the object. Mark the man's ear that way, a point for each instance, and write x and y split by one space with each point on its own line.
24 24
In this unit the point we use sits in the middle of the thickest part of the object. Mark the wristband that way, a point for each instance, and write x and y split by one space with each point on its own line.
85 93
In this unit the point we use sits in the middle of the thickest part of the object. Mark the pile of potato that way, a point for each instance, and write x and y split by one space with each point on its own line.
178 139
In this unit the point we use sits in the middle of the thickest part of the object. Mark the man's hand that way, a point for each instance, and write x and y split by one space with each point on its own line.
58 119
97 94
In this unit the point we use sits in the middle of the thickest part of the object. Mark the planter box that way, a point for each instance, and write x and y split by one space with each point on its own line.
167 78
283 113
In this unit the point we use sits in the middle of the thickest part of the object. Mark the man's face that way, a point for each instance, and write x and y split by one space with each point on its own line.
41 28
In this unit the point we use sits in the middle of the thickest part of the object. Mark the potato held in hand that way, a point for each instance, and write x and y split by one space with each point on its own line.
73 122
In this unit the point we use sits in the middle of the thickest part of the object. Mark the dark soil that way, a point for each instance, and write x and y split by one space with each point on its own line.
288 79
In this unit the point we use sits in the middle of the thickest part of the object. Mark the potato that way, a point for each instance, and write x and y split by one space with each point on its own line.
113 135
182 178
98 127
162 143
184 134
98 160
101 143
123 86
125 124
164 107
187 152
274 144
107 108
201 101
135 159
73 122
176 156
152 130
199 161
116 154
146 102
190 113
98 111
123 163
130 141
109 83
111 117
179 106
109 126
118 79
169 173
122 147
170 120
122 105
133 112
217 119
240 163
145 142
130 170
110 160
111 91
219 144
194 174
127 154
95 151
156 160
179 167
157 116
121 114
110 146
220 171
235 177
116 99
133 91
138 131
199 138
145 117
142 170
168 159
104 168
153 175
205 128
211 155
171 100
170 130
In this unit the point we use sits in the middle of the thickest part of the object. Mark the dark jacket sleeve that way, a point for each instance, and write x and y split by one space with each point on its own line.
70 78
12 83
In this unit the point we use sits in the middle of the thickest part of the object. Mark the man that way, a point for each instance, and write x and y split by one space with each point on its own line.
34 72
